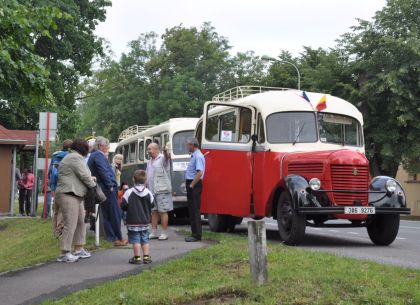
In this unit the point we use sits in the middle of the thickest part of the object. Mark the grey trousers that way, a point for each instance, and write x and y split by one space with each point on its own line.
74 229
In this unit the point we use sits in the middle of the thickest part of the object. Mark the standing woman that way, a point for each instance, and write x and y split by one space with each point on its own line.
116 166
74 179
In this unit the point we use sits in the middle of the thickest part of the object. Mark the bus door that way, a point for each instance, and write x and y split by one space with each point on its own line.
227 145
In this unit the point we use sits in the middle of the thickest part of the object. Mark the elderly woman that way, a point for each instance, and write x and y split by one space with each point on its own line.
74 179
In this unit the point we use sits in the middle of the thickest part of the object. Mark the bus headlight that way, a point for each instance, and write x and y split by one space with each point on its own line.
315 184
391 185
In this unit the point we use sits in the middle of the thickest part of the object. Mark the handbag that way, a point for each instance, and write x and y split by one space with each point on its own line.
94 196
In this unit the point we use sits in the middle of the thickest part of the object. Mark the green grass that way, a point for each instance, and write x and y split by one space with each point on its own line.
219 274
29 241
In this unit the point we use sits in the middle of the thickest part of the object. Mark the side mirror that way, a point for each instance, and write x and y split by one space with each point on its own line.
254 138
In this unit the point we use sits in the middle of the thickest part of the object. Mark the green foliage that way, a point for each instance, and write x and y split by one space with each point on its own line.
386 64
150 84
22 71
45 47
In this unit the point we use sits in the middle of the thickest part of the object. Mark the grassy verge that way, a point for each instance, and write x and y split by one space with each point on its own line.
219 274
29 241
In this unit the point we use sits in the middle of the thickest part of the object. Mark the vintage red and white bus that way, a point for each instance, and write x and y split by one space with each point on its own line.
297 157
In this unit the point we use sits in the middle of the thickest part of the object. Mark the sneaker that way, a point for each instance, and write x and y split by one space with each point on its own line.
82 254
67 258
120 243
163 236
153 235
135 261
147 259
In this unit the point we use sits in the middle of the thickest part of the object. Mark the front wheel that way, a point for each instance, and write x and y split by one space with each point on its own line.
291 224
217 222
383 229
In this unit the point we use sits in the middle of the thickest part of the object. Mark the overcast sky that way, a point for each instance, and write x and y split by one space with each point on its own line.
265 26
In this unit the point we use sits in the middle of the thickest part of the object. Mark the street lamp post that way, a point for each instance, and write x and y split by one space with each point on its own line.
268 58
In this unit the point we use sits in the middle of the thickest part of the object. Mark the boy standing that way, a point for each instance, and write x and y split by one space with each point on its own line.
138 201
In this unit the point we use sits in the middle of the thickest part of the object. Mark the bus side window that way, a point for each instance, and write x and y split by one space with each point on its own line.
199 134
233 125
261 134
125 154
132 157
141 151
148 141
165 140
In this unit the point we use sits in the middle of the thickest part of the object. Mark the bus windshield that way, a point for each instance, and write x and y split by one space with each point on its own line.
179 142
339 129
291 127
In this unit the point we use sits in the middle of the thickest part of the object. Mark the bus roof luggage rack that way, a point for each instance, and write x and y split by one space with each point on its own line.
243 91
133 130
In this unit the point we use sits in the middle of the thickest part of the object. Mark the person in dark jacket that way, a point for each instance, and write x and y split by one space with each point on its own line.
138 201
105 177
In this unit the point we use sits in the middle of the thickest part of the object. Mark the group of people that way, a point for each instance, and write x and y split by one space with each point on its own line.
84 167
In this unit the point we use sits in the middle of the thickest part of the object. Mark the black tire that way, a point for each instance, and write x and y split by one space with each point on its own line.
383 229
217 222
232 222
291 224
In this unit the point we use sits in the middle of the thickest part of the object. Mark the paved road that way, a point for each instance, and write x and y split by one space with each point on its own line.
354 242
55 280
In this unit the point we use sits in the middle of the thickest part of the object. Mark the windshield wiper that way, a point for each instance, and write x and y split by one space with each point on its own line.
300 131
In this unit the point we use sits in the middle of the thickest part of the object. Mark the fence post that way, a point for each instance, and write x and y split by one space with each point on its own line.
257 243
97 225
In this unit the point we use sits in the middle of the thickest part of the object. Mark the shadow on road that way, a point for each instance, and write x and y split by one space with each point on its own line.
317 240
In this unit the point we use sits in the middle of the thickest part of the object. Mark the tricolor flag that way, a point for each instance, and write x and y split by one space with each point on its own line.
322 104
305 96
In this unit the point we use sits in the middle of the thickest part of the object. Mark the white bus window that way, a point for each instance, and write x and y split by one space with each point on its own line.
125 154
132 155
165 139
179 142
261 134
339 129
232 125
291 127
212 129
148 141
141 151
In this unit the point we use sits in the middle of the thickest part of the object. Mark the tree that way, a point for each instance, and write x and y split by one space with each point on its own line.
23 74
386 61
63 50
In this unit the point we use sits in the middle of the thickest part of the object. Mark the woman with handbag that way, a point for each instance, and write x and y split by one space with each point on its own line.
74 180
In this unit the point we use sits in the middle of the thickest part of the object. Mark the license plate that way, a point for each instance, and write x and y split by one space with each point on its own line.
359 210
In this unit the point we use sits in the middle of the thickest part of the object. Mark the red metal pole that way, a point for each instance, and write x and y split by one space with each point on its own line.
46 166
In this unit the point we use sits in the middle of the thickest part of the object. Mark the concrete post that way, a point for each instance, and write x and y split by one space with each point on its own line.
257 243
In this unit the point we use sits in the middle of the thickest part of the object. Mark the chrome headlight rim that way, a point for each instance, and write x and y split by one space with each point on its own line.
315 184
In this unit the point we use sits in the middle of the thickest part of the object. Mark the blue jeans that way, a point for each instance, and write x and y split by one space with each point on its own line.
111 216
48 205
138 237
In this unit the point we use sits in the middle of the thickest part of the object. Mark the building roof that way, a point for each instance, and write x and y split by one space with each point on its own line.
25 138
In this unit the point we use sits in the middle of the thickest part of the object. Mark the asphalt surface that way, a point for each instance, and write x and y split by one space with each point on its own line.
355 242
55 280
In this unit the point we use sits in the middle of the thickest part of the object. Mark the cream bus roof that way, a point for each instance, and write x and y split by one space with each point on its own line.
292 100
172 126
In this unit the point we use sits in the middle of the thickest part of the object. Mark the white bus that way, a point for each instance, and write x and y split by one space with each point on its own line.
133 142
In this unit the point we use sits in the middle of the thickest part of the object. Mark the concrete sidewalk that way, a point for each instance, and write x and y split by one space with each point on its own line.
54 280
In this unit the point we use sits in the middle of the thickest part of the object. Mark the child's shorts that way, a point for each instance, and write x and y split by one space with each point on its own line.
138 237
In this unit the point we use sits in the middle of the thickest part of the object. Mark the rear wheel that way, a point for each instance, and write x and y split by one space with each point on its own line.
383 229
291 224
